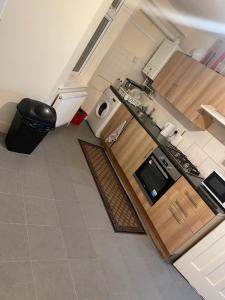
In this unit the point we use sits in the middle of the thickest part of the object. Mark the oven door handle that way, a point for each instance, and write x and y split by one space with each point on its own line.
159 167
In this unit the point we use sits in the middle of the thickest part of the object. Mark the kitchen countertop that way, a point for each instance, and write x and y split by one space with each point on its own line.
154 132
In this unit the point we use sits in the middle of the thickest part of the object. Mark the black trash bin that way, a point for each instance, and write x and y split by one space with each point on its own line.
32 121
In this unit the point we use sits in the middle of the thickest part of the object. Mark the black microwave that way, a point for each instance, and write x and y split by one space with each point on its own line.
215 185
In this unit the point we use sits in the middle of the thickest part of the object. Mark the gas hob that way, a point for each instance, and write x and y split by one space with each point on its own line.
182 160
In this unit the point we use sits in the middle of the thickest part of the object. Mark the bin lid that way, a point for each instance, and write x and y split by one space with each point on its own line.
38 112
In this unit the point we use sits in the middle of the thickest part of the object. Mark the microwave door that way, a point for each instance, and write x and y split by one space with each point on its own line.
215 184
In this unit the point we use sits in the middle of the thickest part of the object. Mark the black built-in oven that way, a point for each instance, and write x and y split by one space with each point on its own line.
156 175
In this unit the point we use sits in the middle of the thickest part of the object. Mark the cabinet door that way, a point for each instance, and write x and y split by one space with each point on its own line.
185 208
169 224
208 88
200 208
139 193
121 115
217 99
187 84
182 93
133 147
179 214
202 92
151 71
166 81
184 83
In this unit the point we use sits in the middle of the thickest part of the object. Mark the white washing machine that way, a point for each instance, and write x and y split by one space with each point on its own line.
103 111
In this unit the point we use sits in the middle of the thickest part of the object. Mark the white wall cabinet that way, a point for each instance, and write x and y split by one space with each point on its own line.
160 58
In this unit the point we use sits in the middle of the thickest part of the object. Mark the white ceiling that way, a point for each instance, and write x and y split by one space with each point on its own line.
209 9
206 15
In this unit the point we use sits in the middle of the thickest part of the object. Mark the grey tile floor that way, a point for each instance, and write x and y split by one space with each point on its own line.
56 241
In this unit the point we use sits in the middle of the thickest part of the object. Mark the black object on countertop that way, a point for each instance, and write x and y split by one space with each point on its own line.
142 87
32 121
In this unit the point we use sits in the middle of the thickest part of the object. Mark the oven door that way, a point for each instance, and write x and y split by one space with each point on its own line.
153 179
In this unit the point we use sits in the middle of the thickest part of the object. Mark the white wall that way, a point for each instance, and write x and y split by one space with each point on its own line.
109 38
136 42
165 5
190 36
205 150
40 43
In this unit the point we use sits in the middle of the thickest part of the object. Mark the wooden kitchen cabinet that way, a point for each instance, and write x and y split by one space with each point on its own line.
139 193
187 84
121 115
133 146
199 207
169 224
166 80
179 214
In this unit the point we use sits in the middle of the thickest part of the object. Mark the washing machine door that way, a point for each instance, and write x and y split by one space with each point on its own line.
102 109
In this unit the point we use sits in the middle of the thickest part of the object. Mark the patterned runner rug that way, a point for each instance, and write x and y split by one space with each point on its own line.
117 204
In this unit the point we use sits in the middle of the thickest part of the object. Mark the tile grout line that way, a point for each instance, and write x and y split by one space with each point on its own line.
32 260
66 254
218 164
65 259
29 224
28 244
73 283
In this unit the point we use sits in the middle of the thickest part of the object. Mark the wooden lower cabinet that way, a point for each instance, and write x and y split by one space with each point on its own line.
169 224
132 148
121 115
194 202
179 214
139 193
133 145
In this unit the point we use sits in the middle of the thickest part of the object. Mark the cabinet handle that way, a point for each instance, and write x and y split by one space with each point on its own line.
174 215
181 209
190 199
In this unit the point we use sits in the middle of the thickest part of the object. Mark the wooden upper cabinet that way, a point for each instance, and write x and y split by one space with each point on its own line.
121 115
133 146
187 84
179 214
216 91
168 76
